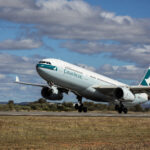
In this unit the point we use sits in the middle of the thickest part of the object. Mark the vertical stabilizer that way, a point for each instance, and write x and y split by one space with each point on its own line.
146 80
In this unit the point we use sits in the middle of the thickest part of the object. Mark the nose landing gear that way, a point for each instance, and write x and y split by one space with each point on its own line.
80 107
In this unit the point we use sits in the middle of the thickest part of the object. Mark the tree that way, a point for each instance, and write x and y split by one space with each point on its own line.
138 108
42 100
11 104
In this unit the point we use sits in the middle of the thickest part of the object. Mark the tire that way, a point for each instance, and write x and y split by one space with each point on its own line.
85 109
116 107
125 110
119 110
80 109
76 106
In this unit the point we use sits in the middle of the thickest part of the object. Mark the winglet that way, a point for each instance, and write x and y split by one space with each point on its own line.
17 79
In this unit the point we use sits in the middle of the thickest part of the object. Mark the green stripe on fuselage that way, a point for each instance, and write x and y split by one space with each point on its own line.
47 66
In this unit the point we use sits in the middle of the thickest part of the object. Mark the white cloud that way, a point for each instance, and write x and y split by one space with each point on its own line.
23 88
127 38
19 44
75 19
79 21
24 67
2 76
87 67
16 65
16 3
117 19
126 72
138 54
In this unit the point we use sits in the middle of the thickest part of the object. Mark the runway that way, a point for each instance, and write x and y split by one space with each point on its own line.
73 114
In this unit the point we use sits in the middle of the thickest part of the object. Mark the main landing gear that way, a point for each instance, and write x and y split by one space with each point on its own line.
120 108
80 106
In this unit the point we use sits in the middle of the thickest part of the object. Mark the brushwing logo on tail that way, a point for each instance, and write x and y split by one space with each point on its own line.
148 81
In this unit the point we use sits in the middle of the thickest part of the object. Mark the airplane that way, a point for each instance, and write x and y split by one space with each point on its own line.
63 77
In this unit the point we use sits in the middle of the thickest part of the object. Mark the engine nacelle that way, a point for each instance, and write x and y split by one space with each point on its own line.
124 93
52 93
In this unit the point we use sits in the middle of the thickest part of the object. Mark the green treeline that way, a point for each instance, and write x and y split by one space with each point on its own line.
43 105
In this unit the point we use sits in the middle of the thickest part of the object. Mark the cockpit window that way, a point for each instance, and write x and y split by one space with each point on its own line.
44 62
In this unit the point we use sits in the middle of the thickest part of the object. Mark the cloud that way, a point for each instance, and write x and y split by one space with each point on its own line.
118 19
138 53
16 65
129 73
2 76
19 93
88 47
75 19
19 44
24 67
92 29
126 72
87 67
17 3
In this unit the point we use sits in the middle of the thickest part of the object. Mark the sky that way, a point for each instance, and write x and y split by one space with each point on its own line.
110 37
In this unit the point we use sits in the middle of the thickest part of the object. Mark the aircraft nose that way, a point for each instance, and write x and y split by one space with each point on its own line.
37 67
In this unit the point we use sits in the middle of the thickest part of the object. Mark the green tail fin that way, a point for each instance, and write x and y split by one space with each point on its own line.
146 80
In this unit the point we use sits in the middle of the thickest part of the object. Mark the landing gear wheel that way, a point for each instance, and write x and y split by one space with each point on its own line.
119 110
85 109
116 107
80 109
76 106
125 110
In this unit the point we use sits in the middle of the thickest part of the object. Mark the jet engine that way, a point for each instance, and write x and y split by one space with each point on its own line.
124 93
52 93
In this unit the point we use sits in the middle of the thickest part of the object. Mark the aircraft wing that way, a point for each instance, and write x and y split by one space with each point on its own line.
109 90
106 90
32 84
41 85
140 89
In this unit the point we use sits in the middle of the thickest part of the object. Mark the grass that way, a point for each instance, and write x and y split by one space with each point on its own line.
74 133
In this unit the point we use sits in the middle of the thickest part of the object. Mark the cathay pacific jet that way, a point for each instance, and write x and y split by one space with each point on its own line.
63 77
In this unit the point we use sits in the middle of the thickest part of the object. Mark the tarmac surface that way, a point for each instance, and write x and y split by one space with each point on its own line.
73 114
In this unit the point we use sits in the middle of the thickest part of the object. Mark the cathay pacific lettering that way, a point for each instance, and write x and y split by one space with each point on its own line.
74 74
63 77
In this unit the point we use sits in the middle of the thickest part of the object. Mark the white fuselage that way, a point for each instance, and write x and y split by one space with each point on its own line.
76 79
